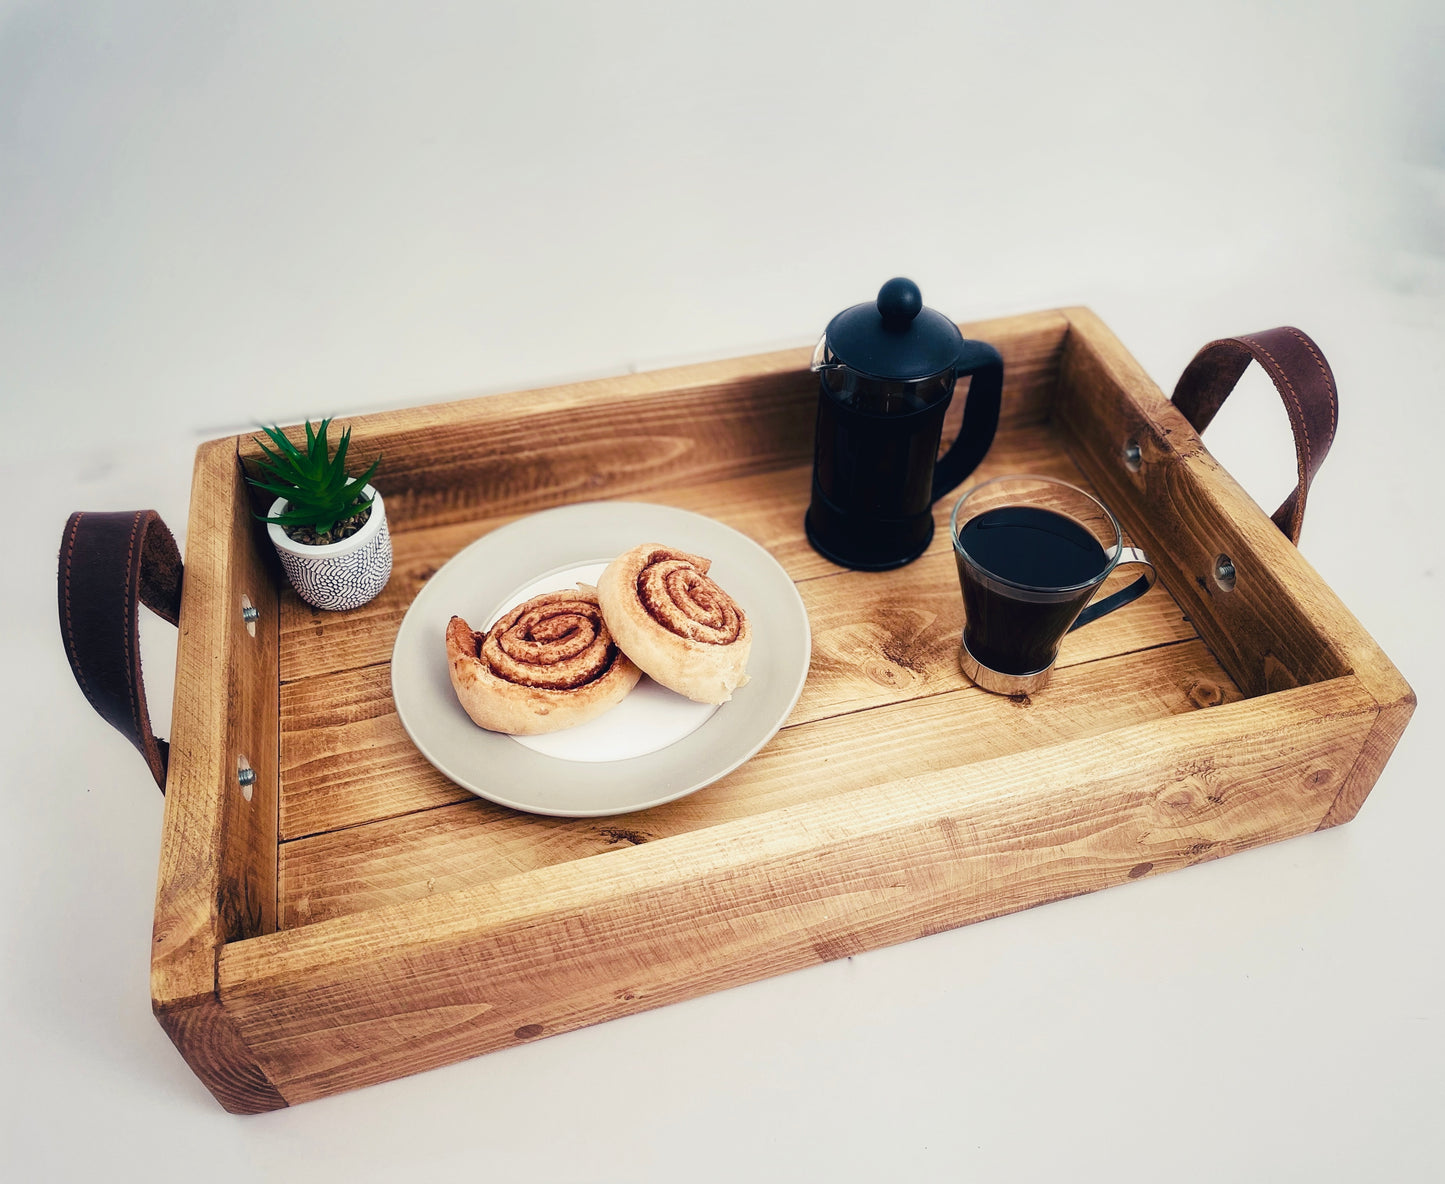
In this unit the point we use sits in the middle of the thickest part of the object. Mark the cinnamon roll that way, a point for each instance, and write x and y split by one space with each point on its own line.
675 622
545 665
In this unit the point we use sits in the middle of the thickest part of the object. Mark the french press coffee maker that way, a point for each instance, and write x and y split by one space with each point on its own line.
886 372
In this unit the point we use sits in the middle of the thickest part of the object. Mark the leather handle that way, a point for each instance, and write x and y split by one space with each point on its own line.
110 564
1303 378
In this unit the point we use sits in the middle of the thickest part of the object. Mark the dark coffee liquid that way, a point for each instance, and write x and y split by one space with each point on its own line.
873 464
873 467
1018 630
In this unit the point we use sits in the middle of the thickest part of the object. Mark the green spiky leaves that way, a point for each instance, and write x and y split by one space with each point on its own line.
314 483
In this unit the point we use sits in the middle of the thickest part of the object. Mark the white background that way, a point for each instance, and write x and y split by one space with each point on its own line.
215 215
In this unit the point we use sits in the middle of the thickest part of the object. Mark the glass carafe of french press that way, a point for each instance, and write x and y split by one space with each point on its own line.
886 373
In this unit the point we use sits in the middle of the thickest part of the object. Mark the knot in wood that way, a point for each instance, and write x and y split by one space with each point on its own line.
882 672
1204 693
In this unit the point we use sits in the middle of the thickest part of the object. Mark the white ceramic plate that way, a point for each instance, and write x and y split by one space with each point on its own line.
561 774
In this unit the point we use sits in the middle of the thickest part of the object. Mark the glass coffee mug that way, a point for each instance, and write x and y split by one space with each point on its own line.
1032 552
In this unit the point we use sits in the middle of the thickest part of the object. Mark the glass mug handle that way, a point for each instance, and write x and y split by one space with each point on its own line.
1127 595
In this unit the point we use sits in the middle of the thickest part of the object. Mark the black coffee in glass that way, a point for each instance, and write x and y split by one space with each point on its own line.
1026 573
1033 553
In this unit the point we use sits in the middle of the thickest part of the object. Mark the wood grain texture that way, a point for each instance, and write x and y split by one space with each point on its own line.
427 926
217 880
878 638
1280 625
767 507
887 637
1388 727
439 850
512 454
346 759
208 1040
1264 631
395 990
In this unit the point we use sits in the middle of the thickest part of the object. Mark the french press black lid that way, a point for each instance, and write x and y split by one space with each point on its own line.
894 337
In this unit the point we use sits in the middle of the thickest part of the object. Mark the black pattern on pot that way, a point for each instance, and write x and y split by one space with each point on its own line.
344 581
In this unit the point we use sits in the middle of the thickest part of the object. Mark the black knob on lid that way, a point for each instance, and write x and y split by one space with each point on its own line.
899 301
895 337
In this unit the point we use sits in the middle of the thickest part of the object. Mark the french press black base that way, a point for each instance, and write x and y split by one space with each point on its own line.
886 374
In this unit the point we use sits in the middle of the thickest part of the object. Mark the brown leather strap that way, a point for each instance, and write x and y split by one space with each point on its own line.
110 564
1304 381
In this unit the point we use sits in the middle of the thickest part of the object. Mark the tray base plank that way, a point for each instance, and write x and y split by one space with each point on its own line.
473 841
879 638
884 664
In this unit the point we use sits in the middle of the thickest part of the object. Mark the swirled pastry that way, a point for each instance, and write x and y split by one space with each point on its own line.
545 665
676 623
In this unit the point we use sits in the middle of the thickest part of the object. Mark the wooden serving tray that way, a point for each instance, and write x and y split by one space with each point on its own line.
353 916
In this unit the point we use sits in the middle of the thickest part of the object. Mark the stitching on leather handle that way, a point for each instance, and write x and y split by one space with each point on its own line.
1328 377
1202 392
69 626
1308 461
128 628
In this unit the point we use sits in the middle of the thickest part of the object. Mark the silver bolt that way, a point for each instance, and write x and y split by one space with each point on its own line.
250 614
1133 456
245 777
1224 573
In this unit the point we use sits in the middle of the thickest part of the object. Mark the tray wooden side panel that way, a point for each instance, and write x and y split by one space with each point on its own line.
374 996
1280 625
217 880
516 453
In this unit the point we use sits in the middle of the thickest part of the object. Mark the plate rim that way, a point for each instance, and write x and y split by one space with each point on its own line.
713 777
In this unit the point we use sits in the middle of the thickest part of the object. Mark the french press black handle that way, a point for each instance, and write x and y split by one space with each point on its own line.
980 415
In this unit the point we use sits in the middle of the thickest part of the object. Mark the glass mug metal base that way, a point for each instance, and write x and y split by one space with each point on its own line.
998 682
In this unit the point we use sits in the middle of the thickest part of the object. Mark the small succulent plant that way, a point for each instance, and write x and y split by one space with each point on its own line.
314 483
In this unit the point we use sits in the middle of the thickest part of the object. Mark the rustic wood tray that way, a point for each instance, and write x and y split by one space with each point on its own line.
353 916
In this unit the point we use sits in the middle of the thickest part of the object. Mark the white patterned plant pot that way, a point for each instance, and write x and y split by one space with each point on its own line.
337 576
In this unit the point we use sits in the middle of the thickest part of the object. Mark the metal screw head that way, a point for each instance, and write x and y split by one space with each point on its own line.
1224 573
1133 456
250 614
245 777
